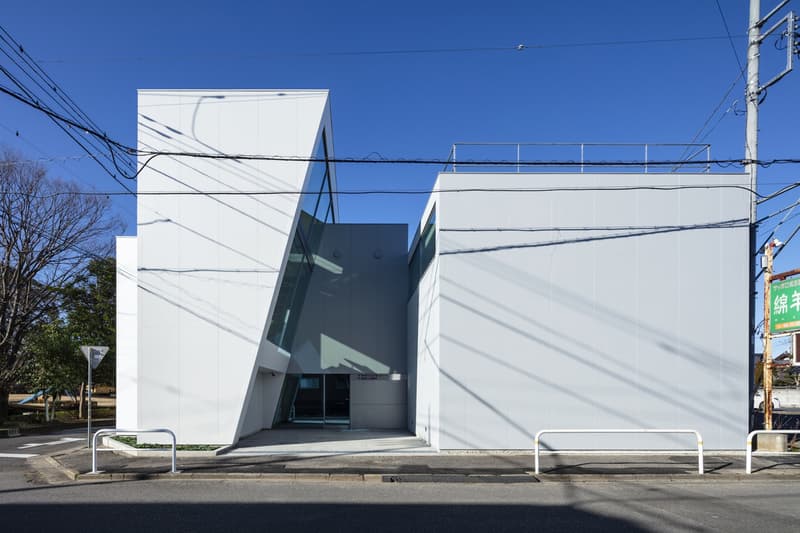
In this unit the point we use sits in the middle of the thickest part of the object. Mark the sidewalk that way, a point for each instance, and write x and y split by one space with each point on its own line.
396 456
445 467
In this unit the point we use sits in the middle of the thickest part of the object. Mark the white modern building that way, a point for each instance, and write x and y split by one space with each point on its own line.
599 300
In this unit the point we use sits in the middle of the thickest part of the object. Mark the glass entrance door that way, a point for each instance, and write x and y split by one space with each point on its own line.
315 399
337 399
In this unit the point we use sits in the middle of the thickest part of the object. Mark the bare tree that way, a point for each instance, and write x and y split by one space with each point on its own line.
49 231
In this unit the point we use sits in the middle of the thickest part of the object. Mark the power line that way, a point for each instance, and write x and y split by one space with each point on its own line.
730 37
410 51
58 95
57 160
151 155
782 247
43 160
570 229
466 163
366 192
725 224
51 91
787 241
201 155
65 123
779 192
711 115
59 120
776 227
778 212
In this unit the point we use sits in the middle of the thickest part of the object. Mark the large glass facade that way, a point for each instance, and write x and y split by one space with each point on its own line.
316 210
316 206
423 254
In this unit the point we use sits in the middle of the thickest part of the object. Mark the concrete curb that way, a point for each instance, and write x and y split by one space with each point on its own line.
46 464
324 477
51 470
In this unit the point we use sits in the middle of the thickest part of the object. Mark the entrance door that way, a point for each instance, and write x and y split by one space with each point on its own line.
315 399
337 399
308 400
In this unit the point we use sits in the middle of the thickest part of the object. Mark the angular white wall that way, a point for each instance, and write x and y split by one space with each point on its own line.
592 309
209 264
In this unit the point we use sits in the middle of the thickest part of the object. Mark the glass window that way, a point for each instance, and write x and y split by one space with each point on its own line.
424 252
283 325
309 382
316 209
413 271
428 242
313 190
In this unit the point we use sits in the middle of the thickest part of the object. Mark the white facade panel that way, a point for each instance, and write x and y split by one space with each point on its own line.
598 308
126 351
210 258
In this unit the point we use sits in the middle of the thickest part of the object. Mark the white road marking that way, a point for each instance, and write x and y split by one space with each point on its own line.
62 440
17 455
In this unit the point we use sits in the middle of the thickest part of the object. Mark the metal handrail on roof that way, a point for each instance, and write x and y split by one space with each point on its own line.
691 155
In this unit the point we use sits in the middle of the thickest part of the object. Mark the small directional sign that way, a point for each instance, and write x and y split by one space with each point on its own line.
94 354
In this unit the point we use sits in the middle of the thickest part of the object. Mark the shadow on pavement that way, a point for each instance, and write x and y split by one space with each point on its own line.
304 517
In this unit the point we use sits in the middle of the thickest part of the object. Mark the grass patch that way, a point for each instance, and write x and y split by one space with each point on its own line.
131 441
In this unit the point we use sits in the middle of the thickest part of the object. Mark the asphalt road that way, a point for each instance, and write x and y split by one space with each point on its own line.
14 452
17 448
26 504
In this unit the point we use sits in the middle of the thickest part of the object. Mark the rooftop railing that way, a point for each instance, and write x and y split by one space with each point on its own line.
579 157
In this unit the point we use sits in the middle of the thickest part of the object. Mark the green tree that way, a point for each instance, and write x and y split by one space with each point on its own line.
49 231
84 314
51 362
89 304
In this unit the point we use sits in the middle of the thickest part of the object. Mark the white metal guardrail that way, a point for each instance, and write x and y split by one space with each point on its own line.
117 431
749 457
695 433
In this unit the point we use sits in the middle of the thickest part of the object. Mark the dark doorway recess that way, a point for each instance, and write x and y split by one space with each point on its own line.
315 399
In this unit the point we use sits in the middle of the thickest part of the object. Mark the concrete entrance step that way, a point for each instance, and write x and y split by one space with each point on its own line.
330 441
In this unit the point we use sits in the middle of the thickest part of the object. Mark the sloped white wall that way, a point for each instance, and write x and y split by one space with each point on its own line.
209 264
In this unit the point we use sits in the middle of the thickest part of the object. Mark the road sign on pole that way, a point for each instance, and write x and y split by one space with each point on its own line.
93 355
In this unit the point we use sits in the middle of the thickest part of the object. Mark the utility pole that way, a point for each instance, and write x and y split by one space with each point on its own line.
766 358
750 154
752 95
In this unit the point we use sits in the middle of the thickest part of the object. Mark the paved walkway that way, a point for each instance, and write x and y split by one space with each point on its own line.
327 441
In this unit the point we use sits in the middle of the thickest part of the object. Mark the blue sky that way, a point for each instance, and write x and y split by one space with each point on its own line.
410 105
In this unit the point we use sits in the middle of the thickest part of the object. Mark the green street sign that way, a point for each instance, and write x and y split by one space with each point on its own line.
785 306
